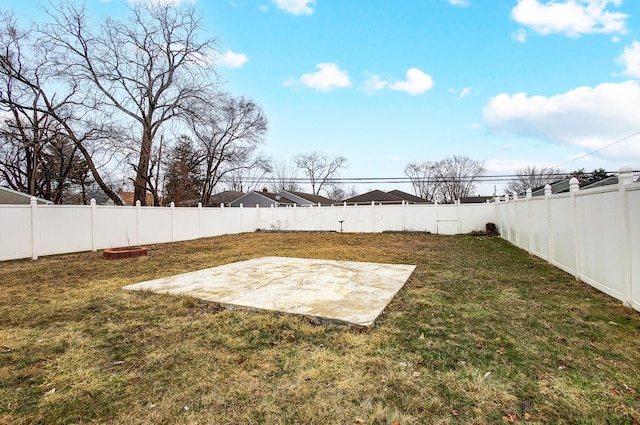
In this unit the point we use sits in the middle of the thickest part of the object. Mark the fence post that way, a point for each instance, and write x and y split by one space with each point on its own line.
241 214
138 206
199 219
574 187
530 226
373 217
34 206
172 206
507 220
547 201
272 214
93 225
516 222
295 218
403 216
625 177
221 218
458 213
435 217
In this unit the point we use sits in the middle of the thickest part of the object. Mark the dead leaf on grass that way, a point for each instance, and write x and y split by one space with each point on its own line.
455 413
511 417
421 336
527 416
358 420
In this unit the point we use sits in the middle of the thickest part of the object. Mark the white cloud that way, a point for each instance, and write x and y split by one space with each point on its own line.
571 17
520 36
462 93
328 76
374 83
296 7
630 59
508 147
417 82
394 158
230 59
462 3
589 118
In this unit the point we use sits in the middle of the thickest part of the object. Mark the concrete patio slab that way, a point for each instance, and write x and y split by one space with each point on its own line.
342 292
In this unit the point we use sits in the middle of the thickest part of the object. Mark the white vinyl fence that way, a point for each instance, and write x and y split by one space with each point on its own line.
592 234
30 231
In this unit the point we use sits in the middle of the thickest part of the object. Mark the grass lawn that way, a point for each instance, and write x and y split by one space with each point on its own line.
482 333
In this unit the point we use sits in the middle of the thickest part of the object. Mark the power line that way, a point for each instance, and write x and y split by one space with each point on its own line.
598 150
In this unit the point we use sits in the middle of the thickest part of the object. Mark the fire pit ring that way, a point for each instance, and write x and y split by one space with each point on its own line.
125 252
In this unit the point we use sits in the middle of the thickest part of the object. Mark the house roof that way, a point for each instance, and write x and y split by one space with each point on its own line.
276 198
225 197
562 186
273 197
10 196
604 182
374 196
476 199
409 197
314 199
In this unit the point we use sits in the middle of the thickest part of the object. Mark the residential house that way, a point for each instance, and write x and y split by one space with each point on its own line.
395 197
476 199
224 198
409 198
263 199
305 199
562 186
13 197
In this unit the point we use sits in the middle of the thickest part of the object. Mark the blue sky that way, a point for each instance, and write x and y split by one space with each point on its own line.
386 82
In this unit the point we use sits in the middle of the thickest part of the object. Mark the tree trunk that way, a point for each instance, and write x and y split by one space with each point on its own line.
142 170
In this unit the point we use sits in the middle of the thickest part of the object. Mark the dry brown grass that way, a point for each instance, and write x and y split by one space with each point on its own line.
481 333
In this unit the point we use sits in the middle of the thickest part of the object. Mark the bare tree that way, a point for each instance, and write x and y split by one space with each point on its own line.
532 177
284 174
423 177
339 193
320 168
457 176
227 133
146 68
44 112
253 177
447 180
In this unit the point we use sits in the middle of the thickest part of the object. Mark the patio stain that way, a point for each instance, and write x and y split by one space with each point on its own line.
340 292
